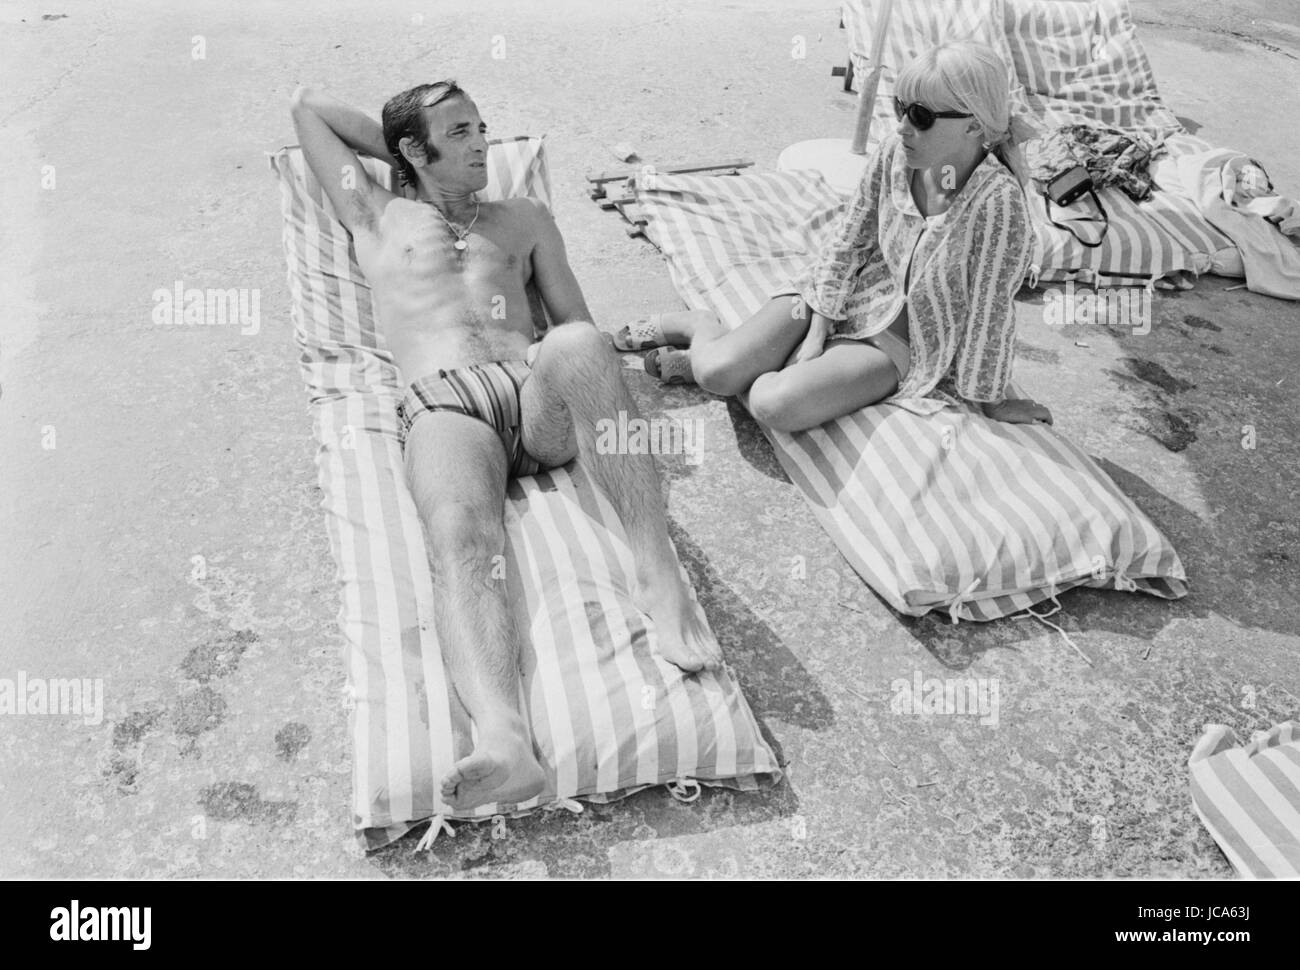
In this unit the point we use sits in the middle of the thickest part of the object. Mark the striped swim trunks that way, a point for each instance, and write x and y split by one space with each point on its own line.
488 392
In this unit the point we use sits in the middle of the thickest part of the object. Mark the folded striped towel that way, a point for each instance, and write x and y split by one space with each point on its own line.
951 512
608 716
1249 798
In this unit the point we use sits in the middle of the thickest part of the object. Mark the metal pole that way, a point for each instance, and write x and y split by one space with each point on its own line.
867 97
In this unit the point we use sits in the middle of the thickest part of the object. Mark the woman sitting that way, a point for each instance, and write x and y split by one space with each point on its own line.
910 300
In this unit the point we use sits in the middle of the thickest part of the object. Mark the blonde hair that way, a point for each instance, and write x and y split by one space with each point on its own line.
965 75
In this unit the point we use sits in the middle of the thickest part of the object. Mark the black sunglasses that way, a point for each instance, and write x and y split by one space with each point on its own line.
921 117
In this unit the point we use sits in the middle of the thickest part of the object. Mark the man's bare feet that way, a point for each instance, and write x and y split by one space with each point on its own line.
500 769
683 639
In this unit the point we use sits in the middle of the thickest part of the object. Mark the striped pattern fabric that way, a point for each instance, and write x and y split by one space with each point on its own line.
1249 798
1146 240
950 511
1082 62
1069 62
608 716
488 392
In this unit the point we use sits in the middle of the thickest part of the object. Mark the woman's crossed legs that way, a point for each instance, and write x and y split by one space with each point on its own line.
756 357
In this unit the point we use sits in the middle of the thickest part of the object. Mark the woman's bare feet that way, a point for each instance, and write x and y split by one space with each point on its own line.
501 768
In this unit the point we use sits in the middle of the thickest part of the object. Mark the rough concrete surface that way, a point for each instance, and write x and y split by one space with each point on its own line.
223 748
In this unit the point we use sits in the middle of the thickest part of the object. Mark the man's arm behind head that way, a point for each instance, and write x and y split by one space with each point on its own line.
330 134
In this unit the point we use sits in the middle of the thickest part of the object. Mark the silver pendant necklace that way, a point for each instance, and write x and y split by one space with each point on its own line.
459 233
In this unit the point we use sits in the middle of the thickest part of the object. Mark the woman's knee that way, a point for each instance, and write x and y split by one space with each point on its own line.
716 369
776 403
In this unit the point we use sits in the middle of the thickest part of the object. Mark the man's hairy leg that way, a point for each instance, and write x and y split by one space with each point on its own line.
577 381
456 467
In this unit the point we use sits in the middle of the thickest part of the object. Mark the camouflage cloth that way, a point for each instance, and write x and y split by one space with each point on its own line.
1112 157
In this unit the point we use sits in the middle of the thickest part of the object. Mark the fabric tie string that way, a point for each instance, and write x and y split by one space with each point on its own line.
959 601
1043 619
565 805
681 789
437 825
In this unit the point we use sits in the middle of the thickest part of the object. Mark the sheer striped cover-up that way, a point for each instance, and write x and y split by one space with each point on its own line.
955 273
609 717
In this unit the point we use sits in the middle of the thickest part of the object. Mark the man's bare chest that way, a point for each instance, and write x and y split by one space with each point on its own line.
414 244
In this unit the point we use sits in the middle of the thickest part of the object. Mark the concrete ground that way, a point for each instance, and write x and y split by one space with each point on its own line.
129 450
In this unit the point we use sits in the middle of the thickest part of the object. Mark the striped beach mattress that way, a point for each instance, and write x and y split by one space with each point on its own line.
951 512
1068 63
1249 797
609 717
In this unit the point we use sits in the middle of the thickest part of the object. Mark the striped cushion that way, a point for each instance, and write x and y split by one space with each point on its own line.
1249 798
608 718
1082 62
1150 239
952 511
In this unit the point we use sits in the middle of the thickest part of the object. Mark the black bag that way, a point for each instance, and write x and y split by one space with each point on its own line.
1069 187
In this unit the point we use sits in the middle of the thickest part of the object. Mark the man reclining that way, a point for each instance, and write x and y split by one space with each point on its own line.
485 402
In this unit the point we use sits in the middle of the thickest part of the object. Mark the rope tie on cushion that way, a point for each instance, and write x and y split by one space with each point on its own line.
565 805
1043 619
959 601
437 825
680 789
